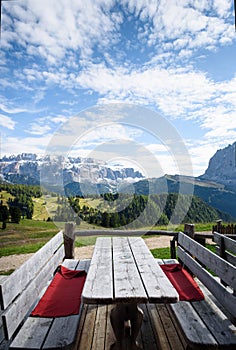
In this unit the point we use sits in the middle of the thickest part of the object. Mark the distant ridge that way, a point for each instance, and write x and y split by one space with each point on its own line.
217 186
30 169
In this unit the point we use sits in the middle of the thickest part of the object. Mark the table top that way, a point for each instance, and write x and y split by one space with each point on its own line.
123 270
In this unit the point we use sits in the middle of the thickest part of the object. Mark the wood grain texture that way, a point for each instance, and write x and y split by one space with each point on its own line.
227 299
228 245
123 270
14 315
99 282
157 286
32 335
219 266
195 330
18 280
206 324
128 286
62 333
50 333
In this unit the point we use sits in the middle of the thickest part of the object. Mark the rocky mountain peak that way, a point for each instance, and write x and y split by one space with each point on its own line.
222 167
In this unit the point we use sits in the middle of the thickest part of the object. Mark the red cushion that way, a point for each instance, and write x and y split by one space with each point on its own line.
183 282
63 295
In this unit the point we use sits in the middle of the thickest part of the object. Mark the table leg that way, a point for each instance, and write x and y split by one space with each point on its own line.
119 317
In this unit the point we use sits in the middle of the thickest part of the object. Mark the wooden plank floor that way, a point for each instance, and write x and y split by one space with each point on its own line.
158 330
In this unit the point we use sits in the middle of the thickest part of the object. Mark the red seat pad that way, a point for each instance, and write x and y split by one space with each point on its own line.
183 282
63 295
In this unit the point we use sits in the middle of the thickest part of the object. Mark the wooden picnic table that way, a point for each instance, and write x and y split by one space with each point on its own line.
124 272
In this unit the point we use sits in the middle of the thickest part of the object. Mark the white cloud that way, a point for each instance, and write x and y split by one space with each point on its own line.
173 90
10 109
44 125
37 129
51 28
7 122
58 119
78 46
59 29
17 145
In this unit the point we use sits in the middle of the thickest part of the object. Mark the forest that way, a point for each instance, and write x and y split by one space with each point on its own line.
162 209
110 209
19 204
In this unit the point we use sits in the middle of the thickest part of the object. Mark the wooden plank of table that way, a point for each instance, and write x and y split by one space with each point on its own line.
99 283
158 287
128 286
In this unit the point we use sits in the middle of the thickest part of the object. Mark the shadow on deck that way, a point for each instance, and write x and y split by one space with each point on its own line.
159 330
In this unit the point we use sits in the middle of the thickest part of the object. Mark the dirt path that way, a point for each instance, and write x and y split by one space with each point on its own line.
14 261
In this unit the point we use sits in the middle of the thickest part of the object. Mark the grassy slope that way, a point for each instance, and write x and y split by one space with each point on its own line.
30 235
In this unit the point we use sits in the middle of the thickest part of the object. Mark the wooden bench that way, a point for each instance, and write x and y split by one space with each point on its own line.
21 291
210 323
225 247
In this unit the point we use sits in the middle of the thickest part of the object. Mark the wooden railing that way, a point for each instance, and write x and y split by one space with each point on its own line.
229 229
189 229
70 233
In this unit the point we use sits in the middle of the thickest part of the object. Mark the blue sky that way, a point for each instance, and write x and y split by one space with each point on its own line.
171 61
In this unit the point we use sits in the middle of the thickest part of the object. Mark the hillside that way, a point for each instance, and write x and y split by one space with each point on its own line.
87 177
214 194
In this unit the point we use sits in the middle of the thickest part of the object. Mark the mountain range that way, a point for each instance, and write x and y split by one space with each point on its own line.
31 169
84 176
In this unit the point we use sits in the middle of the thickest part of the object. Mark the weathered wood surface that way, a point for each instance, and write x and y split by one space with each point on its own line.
20 278
69 240
16 312
226 298
192 325
157 286
218 265
226 247
99 281
159 329
123 270
204 324
207 324
124 233
50 333
127 283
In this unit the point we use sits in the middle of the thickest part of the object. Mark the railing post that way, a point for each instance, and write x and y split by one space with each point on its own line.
69 240
219 226
189 230
172 246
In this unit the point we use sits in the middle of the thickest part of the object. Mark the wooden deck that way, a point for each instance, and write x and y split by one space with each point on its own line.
158 330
